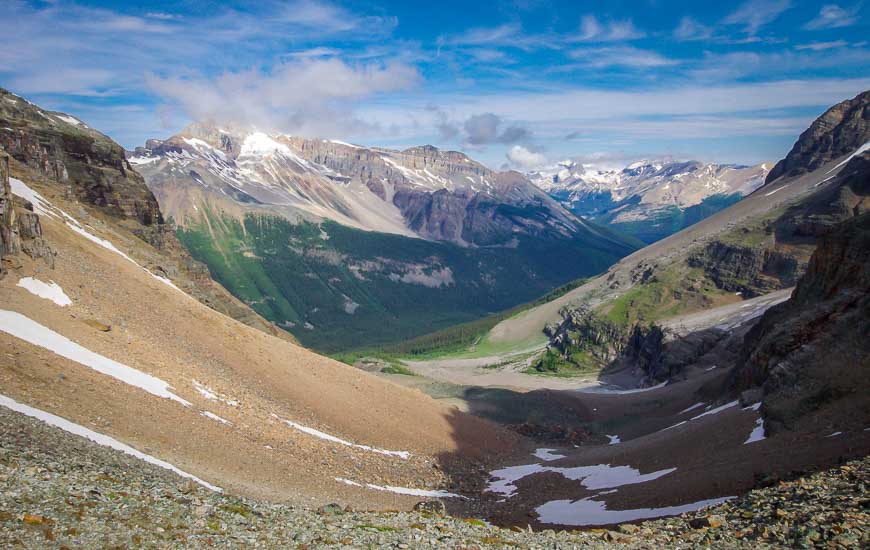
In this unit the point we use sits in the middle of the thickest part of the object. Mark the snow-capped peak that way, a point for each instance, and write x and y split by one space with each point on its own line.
260 144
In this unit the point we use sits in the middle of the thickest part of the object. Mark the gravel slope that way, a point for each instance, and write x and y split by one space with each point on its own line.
61 491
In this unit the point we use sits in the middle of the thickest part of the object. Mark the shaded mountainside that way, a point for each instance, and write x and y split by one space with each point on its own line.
346 246
71 160
812 351
649 200
841 130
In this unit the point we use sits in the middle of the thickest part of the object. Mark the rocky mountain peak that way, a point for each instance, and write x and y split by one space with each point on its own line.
841 130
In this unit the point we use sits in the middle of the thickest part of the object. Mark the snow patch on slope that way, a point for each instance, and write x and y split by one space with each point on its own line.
24 328
49 291
405 455
98 438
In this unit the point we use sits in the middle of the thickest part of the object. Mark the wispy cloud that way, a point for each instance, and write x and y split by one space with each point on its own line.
832 16
621 56
754 14
820 46
508 35
690 29
594 30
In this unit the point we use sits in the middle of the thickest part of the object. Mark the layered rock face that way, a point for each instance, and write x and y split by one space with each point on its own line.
66 150
750 270
839 131
813 350
20 230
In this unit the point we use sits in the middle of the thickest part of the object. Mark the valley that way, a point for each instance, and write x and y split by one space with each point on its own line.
250 335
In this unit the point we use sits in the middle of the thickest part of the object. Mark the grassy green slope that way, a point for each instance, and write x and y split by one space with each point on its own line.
337 288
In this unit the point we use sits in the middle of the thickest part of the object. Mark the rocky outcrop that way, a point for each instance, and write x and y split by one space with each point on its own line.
20 230
91 166
812 351
841 130
582 340
750 270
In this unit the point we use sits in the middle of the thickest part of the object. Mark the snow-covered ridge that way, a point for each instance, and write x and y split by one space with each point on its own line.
664 182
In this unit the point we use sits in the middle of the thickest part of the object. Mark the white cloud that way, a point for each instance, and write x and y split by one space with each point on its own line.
820 46
621 56
308 96
690 29
522 159
832 16
593 30
754 14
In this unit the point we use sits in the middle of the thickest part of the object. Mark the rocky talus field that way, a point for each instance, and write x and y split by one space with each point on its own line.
62 491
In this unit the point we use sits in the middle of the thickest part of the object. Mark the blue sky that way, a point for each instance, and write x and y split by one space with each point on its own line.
519 83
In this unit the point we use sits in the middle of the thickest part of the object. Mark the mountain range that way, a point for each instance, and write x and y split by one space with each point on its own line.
649 200
344 245
722 358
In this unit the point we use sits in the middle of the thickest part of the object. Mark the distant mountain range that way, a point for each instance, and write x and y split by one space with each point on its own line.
347 245
649 200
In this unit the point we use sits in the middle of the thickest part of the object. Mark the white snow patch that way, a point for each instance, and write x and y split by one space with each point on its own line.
213 416
30 331
594 512
69 120
675 425
259 143
43 207
600 389
753 407
402 490
598 476
97 438
757 432
717 410
405 455
835 434
858 151
211 395
346 144
50 291
614 439
136 161
693 407
40 204
547 454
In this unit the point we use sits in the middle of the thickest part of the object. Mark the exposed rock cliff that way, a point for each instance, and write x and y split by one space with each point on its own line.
813 350
20 230
89 164
839 131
